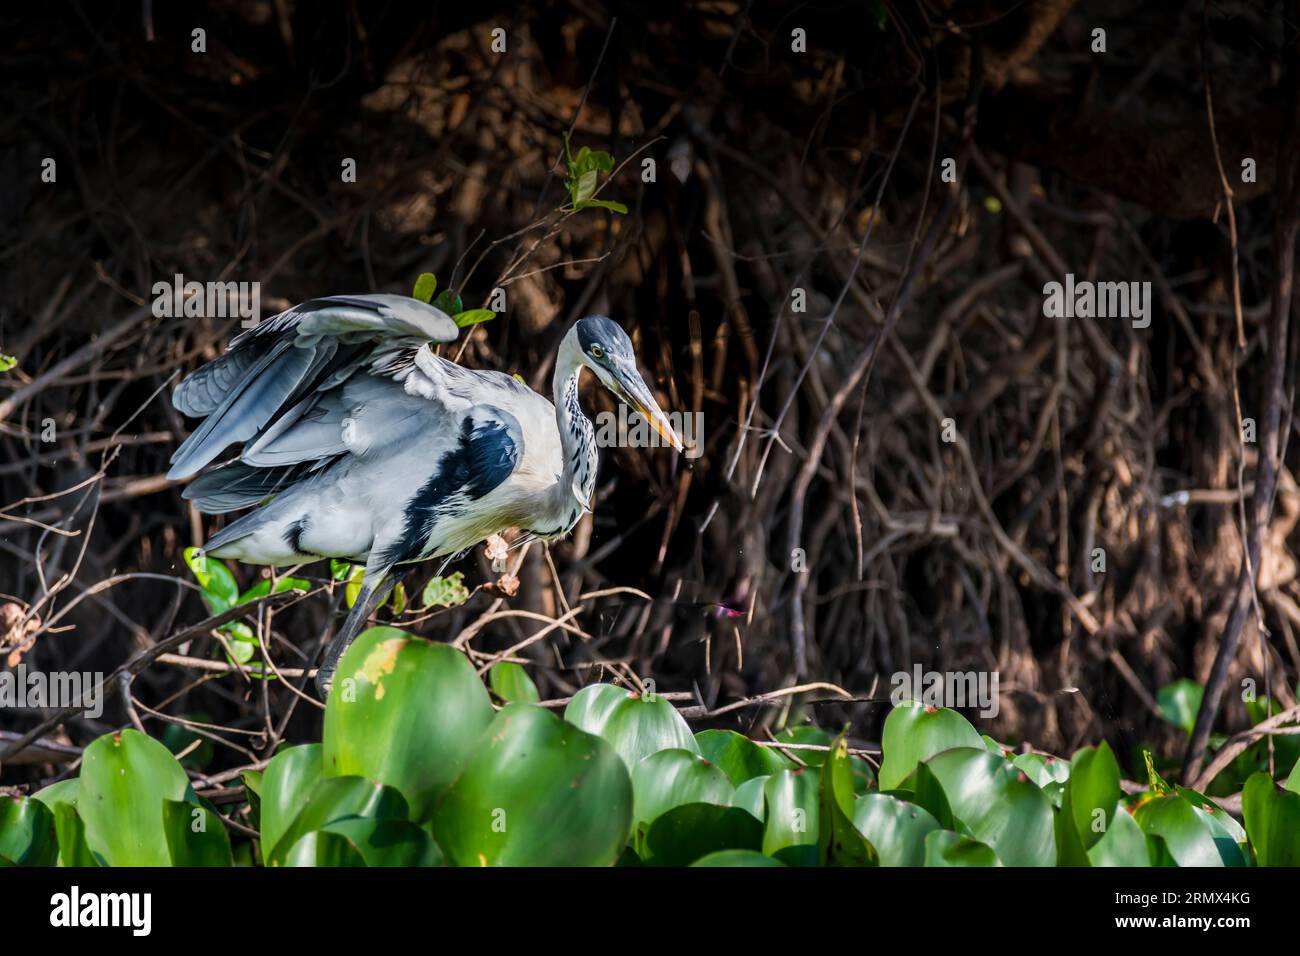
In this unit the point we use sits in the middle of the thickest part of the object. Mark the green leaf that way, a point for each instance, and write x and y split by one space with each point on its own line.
1174 820
749 796
423 701
220 593
340 570
1272 821
472 317
27 834
1122 843
445 592
609 204
73 848
387 842
287 783
914 733
537 792
511 683
356 578
337 798
253 792
896 829
7 362
125 777
674 777
195 835
1179 702
793 809
737 858
425 286
946 848
449 302
739 757
694 831
805 734
1091 796
636 725
1156 782
839 842
65 791
323 849
998 804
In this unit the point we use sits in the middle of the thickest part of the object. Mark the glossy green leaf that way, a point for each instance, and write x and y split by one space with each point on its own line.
945 848
998 804
425 286
323 849
64 791
636 725
1179 702
472 317
737 858
220 592
387 842
338 798
423 701
896 829
125 777
1122 843
839 842
537 792
673 777
693 831
1091 795
739 757
805 735
1272 821
511 683
449 301
195 835
793 809
73 849
749 796
1174 820
914 733
27 835
287 784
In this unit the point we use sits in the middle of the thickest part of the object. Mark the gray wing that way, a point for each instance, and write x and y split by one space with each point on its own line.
280 388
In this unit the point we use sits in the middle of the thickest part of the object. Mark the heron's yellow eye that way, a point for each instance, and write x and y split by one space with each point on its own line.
597 352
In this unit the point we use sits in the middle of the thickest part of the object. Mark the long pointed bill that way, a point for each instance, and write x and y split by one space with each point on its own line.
636 394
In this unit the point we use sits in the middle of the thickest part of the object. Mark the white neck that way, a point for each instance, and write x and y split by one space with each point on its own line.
577 437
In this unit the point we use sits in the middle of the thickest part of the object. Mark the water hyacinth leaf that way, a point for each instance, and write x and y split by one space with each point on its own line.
64 791
423 700
73 848
1091 795
839 842
1042 770
1293 782
749 796
1272 821
252 780
286 785
322 849
793 809
537 792
737 858
914 733
1179 703
998 804
637 725
27 834
945 848
511 683
896 828
195 835
125 777
387 842
425 286
806 735
673 777
1122 843
923 788
693 831
338 798
1187 837
739 757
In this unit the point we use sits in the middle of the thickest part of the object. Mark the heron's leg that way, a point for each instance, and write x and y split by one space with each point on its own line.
374 591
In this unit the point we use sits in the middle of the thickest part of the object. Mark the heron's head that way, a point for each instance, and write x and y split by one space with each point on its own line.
607 351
